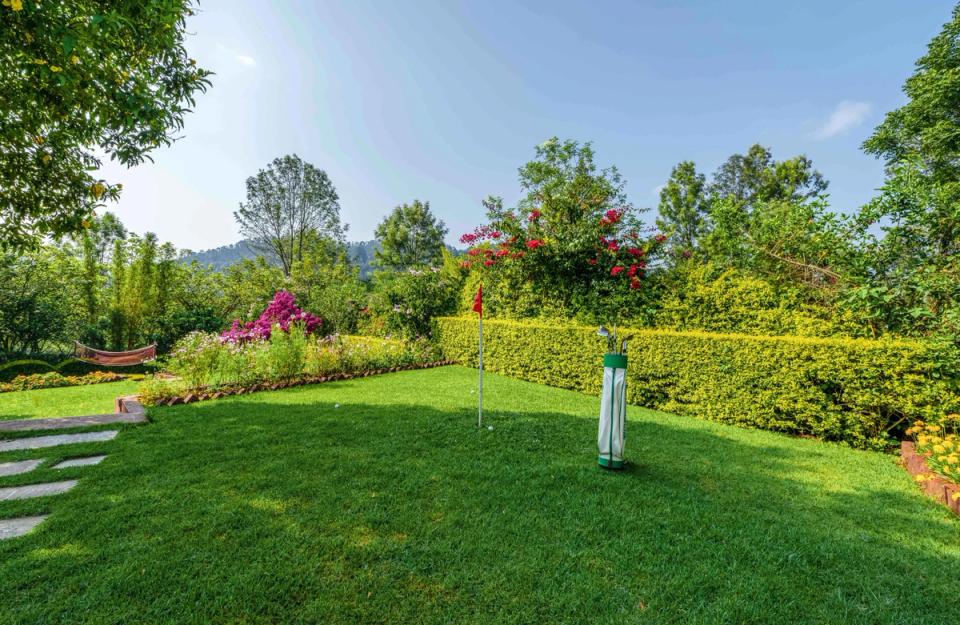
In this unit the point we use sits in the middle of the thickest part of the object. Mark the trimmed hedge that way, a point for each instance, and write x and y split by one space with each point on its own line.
858 391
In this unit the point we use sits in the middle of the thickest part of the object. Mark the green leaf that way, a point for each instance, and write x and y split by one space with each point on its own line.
69 43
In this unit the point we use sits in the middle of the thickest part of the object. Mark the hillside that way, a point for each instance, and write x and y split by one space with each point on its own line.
360 253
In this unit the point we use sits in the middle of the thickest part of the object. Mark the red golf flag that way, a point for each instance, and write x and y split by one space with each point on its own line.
478 301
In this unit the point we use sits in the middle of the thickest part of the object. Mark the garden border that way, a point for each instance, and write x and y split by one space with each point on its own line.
932 484
208 393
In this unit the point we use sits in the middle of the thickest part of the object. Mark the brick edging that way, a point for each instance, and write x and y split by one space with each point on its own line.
204 394
933 485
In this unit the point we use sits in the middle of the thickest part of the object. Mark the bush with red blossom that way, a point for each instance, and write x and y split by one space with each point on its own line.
282 311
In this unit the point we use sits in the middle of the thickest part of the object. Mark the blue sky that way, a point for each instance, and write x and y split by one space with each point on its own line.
443 101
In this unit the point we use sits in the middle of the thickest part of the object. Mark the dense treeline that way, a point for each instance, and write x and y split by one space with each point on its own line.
752 248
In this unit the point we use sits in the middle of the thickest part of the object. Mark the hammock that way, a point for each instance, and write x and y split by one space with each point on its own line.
115 359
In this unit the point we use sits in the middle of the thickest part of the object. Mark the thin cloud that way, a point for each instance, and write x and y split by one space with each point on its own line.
249 61
848 114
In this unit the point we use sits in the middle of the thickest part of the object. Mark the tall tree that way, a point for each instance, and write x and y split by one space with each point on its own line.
753 189
913 268
285 203
684 206
410 236
926 129
756 177
80 79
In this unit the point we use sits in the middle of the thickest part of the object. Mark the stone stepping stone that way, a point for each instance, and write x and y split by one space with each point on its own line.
79 462
58 423
11 528
16 468
36 490
39 442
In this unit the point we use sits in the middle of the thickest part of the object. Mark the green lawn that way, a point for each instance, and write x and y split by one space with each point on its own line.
66 401
394 508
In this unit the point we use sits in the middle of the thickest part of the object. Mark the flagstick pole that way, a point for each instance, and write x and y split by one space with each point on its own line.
480 394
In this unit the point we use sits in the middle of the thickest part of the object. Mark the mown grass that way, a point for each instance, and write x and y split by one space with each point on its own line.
66 401
394 508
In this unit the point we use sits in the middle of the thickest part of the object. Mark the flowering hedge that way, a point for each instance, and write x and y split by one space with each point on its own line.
862 392
55 380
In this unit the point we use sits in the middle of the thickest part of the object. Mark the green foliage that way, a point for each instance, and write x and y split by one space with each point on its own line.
283 356
80 78
402 304
911 284
708 298
927 125
410 237
683 210
856 391
40 298
756 177
327 284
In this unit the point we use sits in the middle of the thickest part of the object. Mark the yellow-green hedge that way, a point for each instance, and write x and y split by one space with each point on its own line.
859 391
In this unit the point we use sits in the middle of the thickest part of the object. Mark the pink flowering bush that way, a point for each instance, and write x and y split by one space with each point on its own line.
282 312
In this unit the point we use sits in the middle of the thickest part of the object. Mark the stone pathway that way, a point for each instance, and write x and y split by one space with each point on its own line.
39 442
11 528
129 411
36 490
16 468
79 462
59 423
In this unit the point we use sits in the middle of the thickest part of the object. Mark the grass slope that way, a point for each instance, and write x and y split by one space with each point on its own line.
66 401
394 508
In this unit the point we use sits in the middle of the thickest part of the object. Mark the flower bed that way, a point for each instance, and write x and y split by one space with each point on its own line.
208 364
933 459
155 396
935 486
56 380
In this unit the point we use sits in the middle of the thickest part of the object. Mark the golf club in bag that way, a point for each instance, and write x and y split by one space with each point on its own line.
613 402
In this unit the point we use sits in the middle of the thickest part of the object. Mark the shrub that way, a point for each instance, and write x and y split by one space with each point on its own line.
281 313
857 391
55 380
282 356
197 359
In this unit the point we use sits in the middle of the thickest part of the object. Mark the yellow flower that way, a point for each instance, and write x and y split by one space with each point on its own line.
98 189
939 448
16 5
56 68
46 158
74 59
952 459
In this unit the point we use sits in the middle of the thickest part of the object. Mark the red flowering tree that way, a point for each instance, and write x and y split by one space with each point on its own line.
574 242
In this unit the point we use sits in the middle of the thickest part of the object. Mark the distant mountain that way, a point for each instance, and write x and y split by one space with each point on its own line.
219 258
